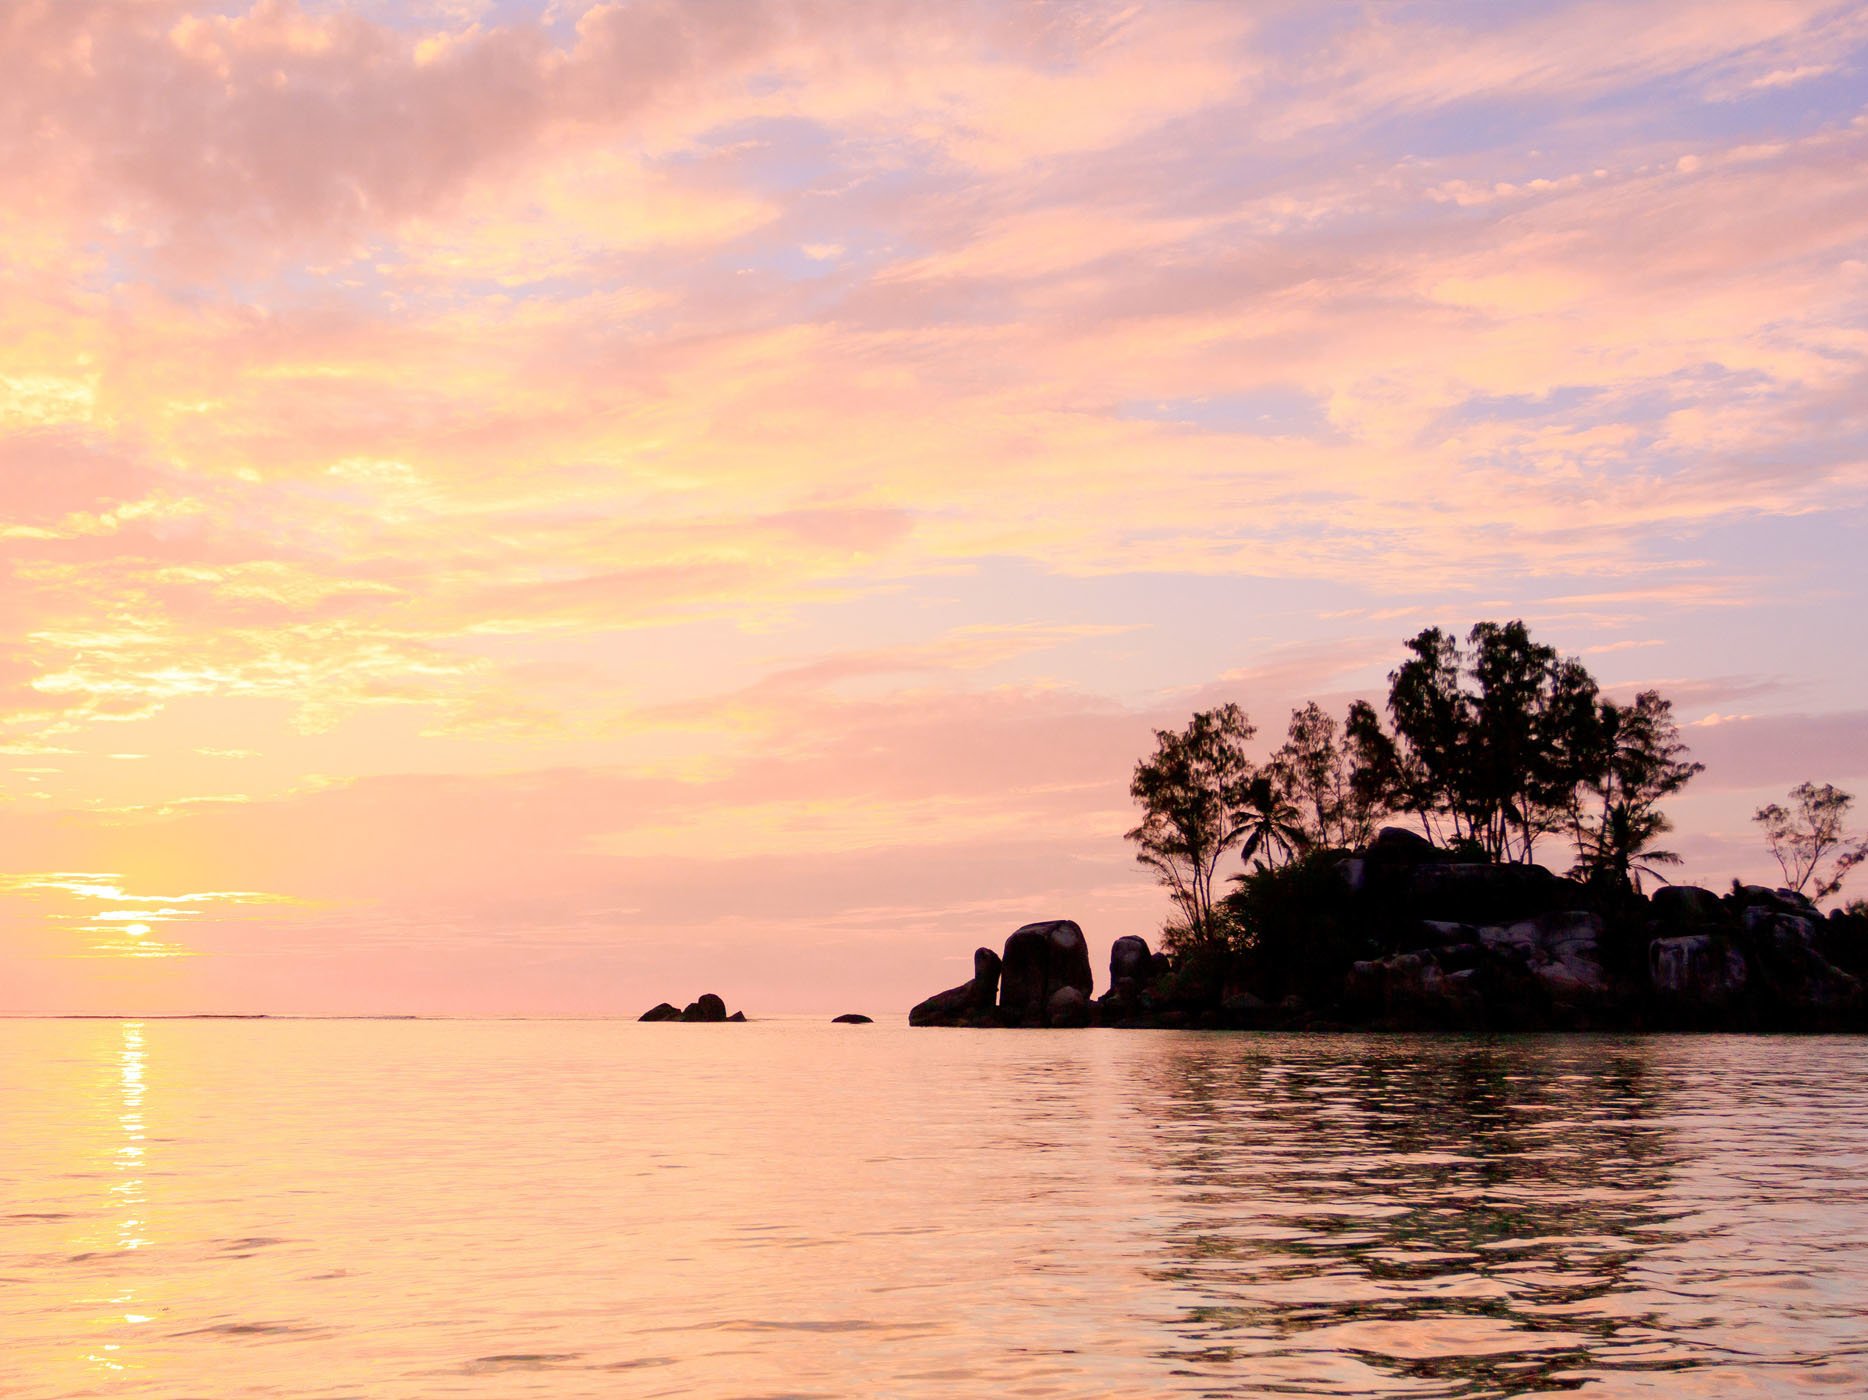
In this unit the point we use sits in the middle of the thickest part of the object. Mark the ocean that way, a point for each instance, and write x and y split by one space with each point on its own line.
390 1209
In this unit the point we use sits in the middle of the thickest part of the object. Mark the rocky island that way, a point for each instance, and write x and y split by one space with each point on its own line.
704 1009
1497 750
1402 934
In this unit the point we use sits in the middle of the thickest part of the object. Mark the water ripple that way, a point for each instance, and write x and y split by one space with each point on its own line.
410 1209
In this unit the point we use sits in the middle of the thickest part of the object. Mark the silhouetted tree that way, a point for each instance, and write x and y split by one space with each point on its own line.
1507 753
1628 760
1489 743
1620 846
1502 743
1374 764
1316 771
1433 730
1803 836
1274 832
1195 791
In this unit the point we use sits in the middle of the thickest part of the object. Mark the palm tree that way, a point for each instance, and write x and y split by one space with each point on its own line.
1272 825
1621 847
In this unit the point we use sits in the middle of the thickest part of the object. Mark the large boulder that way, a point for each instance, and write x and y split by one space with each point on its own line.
1130 959
1039 959
661 1012
706 1007
1398 845
1687 907
986 969
1480 892
1382 865
1132 974
1441 933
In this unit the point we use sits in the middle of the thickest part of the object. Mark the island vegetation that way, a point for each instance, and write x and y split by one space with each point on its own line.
1396 870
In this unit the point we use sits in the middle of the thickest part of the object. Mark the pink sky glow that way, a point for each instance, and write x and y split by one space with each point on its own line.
548 507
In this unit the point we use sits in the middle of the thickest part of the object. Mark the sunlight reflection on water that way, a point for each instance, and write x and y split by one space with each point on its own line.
571 1209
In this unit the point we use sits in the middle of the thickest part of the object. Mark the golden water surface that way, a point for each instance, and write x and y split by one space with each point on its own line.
790 1208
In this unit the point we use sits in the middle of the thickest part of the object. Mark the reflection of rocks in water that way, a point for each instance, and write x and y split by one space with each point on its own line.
1363 1216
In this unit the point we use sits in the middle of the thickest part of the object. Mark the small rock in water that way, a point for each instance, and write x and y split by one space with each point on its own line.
852 1018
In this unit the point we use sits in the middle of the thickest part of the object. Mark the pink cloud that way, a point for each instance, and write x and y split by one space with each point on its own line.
463 424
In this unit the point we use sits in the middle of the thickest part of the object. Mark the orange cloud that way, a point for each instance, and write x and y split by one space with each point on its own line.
479 463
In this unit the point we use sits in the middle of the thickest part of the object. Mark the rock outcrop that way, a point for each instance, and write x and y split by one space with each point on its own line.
1537 971
1133 970
1129 961
972 1003
705 1008
1025 987
1696 974
1687 906
1404 935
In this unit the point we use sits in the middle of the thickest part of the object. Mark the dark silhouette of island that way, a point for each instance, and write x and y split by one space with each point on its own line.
1495 749
1404 935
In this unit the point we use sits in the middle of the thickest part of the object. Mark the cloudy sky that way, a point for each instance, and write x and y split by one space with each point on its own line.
547 507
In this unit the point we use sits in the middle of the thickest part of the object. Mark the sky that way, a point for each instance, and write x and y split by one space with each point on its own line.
543 508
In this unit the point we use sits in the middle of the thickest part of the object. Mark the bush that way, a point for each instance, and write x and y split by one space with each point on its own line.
1294 929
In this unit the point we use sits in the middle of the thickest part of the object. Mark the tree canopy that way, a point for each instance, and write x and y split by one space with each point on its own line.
1491 745
1808 834
1195 792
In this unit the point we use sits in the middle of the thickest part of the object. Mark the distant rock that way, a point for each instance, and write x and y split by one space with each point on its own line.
706 1008
1244 1009
852 1018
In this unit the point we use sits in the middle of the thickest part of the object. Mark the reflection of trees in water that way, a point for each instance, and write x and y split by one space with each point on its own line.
1460 1217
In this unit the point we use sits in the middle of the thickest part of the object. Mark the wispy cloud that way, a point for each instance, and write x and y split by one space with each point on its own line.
478 455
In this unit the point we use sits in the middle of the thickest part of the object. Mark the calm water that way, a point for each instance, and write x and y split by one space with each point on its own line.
401 1209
